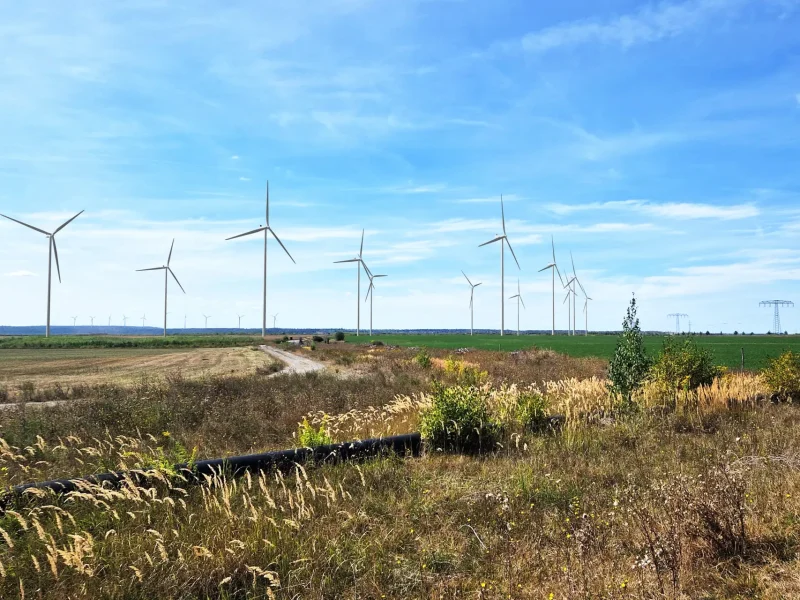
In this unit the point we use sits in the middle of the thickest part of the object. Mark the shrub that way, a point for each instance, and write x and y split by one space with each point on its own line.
459 420
339 336
682 365
464 373
376 343
532 411
318 339
309 437
630 363
423 359
782 375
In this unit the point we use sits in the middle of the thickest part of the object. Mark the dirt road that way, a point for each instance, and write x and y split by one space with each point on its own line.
294 362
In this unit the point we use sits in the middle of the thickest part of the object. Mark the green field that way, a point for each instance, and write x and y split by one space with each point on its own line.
727 348
112 341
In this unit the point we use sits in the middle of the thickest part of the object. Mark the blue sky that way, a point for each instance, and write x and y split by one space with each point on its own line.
658 141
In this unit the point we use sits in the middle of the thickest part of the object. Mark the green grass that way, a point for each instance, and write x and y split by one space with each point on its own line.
727 348
104 341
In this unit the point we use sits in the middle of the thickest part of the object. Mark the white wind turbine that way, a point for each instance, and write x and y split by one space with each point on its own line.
570 291
472 287
371 294
91 320
518 296
267 229
240 320
586 313
52 250
124 321
74 321
144 318
503 239
359 263
207 317
574 295
274 319
554 267
167 271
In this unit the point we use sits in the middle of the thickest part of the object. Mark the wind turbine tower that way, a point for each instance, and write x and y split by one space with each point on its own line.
240 320
207 317
167 272
776 319
124 321
91 321
267 229
371 294
678 317
144 320
359 264
74 321
518 296
554 267
275 320
503 239
472 287
52 251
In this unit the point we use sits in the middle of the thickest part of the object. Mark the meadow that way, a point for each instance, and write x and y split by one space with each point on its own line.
115 341
696 496
727 348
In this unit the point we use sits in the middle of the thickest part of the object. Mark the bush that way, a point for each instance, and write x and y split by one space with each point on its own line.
423 359
782 375
309 437
682 365
532 411
376 343
318 339
630 363
459 420
339 336
464 373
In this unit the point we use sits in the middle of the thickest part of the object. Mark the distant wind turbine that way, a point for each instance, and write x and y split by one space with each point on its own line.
91 320
52 251
371 294
109 320
167 271
574 295
570 291
554 267
586 312
274 319
267 230
503 239
74 321
359 263
207 317
124 321
472 287
144 319
240 320
518 296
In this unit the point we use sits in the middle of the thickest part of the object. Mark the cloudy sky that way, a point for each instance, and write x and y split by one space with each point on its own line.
657 141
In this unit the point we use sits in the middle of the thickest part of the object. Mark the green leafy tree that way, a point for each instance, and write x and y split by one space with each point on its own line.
629 366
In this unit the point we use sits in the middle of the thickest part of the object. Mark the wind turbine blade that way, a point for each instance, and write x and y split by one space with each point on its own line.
477 284
246 233
55 251
465 277
336 262
267 213
374 276
277 239
497 239
512 254
503 214
561 279
566 298
572 260
67 222
580 284
366 268
550 266
553 244
369 291
514 296
26 225
523 303
361 249
176 280
151 269
169 258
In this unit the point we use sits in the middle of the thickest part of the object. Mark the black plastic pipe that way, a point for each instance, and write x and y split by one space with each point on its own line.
282 460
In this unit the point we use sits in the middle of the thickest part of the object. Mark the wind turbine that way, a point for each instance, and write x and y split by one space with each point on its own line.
554 267
503 239
359 263
124 321
207 317
91 319
74 321
267 230
472 287
240 320
274 319
109 320
575 294
167 271
518 296
144 318
52 250
568 287
586 312
371 294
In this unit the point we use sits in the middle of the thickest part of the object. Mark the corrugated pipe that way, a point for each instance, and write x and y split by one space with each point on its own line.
283 460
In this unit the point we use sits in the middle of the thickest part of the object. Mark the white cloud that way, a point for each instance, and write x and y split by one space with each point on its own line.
235 157
21 274
649 24
669 210
489 199
244 179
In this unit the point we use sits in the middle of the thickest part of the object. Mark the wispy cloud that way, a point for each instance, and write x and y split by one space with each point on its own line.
244 179
647 25
234 157
20 274
489 199
669 210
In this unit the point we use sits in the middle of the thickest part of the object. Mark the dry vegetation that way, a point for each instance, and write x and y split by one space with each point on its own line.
695 496
36 371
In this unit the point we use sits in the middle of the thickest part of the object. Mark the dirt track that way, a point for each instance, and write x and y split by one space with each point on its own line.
294 363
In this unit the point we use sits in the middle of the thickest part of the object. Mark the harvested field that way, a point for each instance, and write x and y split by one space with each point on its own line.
85 367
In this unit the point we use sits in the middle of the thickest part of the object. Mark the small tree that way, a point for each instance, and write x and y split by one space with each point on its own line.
630 363
339 336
